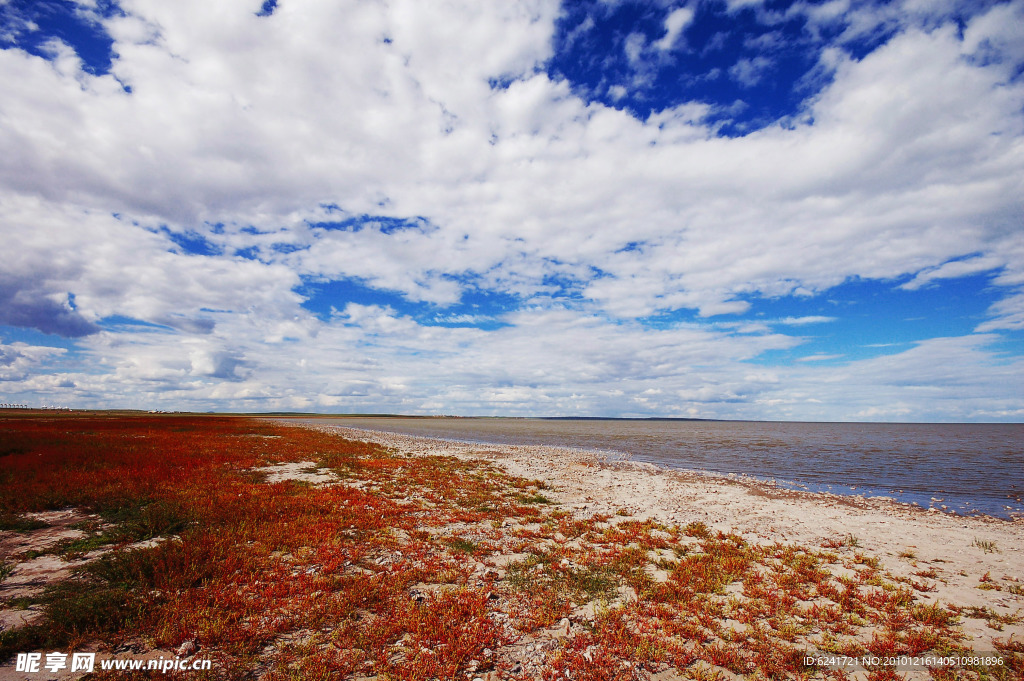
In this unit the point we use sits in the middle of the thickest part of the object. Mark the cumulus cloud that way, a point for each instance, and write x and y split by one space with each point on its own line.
23 304
277 139
115 267
545 361
19 362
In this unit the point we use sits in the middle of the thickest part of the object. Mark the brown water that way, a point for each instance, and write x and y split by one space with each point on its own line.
968 468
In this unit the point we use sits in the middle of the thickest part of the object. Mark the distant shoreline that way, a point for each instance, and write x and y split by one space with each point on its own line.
956 468
382 415
557 455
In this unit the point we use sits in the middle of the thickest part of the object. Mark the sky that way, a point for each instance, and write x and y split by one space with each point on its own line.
739 209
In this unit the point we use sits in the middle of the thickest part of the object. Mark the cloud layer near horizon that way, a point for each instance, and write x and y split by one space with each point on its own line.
171 215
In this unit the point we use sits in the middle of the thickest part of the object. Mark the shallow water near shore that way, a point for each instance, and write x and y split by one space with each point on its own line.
960 468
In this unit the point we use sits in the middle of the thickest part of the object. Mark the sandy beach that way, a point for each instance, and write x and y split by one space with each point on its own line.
978 561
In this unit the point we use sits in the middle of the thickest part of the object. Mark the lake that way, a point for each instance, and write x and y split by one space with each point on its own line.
966 468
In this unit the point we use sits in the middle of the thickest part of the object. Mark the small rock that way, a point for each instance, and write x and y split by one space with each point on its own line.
187 648
564 626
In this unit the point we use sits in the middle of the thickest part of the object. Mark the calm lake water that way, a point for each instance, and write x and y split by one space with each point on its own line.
969 468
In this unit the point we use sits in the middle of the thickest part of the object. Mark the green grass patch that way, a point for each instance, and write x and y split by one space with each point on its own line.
462 545
13 522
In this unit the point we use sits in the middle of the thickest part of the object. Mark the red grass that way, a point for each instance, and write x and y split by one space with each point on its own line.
382 575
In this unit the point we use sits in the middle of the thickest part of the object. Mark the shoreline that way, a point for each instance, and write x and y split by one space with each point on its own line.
622 460
977 560
274 551
966 473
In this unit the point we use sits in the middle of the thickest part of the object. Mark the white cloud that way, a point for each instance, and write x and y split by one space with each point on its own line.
1007 313
809 319
942 379
95 266
634 48
734 5
20 361
749 71
677 20
996 36
953 270
910 160
554 362
402 365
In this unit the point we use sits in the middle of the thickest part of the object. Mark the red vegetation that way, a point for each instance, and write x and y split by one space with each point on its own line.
392 571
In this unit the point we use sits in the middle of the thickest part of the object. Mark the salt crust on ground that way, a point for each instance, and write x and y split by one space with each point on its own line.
904 538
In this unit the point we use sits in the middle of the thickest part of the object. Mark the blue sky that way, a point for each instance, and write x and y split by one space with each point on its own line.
717 209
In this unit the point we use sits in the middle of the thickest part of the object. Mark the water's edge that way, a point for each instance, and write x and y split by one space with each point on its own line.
967 470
